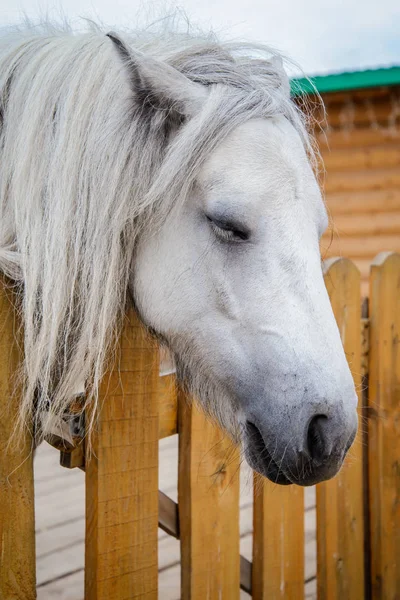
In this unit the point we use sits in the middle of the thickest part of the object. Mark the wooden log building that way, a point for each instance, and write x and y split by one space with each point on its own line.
359 142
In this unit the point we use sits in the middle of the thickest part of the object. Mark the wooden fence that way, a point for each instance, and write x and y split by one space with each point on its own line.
358 512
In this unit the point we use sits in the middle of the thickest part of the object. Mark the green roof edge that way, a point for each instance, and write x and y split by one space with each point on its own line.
340 82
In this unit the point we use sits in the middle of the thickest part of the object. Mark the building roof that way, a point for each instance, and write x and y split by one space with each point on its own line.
340 82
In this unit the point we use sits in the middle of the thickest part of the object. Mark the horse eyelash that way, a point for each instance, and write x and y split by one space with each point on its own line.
226 233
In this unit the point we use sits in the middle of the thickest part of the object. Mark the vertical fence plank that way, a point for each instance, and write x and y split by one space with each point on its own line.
168 406
278 541
167 396
208 489
340 513
122 476
17 519
384 426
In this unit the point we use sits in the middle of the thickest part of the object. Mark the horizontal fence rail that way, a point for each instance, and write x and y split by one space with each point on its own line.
358 512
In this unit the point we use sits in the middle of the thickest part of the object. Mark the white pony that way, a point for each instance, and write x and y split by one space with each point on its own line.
178 169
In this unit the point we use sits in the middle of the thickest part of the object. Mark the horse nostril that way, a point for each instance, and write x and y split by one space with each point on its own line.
256 437
316 440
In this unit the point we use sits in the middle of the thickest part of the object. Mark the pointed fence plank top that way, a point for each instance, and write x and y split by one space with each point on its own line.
340 509
384 426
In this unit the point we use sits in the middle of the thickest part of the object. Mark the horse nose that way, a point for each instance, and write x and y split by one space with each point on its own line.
318 442
305 450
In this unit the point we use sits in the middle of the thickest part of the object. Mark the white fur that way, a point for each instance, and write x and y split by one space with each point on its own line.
102 184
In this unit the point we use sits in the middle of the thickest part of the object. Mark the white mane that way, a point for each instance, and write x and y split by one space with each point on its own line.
83 172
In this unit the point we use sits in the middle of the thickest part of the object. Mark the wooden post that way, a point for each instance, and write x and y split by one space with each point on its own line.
122 476
278 541
384 426
340 513
208 489
17 518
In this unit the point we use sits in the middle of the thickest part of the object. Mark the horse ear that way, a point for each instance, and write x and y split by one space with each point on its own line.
277 63
157 84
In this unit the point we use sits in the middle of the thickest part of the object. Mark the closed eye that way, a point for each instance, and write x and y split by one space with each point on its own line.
227 231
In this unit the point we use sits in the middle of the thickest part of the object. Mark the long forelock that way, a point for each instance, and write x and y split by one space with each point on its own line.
83 173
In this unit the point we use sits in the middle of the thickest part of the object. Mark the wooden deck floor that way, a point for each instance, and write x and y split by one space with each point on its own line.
60 526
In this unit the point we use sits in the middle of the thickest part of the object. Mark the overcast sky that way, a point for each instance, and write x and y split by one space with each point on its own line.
321 35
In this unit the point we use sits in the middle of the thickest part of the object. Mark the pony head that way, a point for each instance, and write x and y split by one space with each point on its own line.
232 283
177 168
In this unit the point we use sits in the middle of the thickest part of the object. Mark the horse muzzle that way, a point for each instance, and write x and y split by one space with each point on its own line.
309 451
